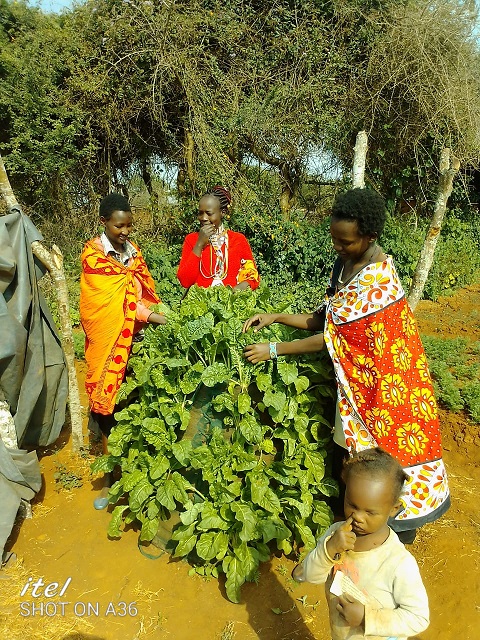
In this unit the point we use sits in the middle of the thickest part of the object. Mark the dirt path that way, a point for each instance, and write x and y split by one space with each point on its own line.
66 539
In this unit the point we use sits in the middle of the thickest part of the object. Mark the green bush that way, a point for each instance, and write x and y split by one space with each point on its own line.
455 368
163 260
471 393
79 345
457 259
239 450
288 251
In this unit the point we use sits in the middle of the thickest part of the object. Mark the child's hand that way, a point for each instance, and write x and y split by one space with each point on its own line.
297 573
352 610
342 540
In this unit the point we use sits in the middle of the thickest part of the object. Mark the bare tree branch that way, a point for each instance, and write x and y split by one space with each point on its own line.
53 261
445 184
359 160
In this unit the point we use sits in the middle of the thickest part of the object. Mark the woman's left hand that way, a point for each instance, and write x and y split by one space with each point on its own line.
157 318
257 352
241 286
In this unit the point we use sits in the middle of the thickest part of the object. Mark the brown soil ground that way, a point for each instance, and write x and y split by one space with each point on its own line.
66 538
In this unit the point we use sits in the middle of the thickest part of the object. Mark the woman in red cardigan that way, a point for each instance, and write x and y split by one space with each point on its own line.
214 255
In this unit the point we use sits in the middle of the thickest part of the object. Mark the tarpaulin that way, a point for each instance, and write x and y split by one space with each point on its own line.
33 374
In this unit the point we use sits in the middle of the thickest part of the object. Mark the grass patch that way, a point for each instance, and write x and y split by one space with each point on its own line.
65 479
455 368
79 345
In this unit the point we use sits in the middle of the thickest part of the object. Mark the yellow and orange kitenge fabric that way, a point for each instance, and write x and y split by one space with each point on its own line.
385 393
108 306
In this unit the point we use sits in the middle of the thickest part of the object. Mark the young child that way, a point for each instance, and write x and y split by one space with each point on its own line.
373 585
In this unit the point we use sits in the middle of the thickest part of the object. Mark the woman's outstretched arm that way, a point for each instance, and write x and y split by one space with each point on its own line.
261 351
306 321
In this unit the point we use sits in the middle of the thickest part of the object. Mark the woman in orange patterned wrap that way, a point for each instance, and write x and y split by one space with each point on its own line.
116 291
385 393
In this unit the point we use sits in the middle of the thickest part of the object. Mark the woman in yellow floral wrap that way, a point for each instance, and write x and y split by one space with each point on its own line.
385 393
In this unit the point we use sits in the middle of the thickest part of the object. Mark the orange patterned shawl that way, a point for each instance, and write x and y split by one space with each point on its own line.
108 304
385 392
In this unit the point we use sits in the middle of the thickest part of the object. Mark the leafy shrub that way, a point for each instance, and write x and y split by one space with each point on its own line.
288 250
471 393
162 261
239 450
79 345
457 259
403 238
456 262
455 368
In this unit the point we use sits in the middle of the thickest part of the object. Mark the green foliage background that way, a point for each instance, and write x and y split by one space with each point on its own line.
455 367
264 97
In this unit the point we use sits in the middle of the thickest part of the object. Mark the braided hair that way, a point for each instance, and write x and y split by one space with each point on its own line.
376 463
222 194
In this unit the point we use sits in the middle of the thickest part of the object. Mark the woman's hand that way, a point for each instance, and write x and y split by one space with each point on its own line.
257 352
156 318
259 321
241 286
206 231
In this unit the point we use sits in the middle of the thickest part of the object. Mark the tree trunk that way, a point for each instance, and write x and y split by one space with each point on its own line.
181 179
445 184
359 160
8 432
190 160
290 181
287 195
289 172
5 187
53 261
147 176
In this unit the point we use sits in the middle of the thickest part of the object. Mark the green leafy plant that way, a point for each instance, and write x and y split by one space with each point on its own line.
455 367
79 345
239 450
66 479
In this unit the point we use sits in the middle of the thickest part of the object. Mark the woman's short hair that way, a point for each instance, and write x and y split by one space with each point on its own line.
365 206
113 202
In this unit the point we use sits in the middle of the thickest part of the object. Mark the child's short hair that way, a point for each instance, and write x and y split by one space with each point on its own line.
376 462
113 202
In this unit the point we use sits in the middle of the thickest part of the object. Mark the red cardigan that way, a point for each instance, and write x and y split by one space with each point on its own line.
189 268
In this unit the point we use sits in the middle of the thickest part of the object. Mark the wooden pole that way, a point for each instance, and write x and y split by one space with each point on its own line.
53 262
5 187
448 171
8 432
359 160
